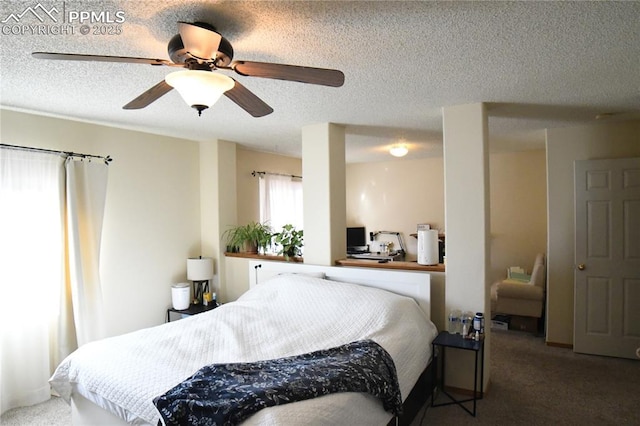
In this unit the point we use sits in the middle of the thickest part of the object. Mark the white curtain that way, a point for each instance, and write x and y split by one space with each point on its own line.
281 201
31 272
86 191
43 213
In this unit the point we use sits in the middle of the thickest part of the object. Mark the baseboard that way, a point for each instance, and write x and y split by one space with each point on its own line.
560 345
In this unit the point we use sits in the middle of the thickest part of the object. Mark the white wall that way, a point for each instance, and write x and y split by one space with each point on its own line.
324 196
564 146
395 196
218 205
467 219
518 210
152 215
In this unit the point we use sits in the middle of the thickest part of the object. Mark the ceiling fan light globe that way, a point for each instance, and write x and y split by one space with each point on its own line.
199 89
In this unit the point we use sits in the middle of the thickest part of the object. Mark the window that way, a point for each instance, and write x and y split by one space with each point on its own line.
31 253
50 228
280 201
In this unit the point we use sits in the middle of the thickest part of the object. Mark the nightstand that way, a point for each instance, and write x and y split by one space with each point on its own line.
191 310
446 340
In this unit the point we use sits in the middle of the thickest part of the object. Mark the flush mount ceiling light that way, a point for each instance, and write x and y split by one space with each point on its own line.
399 150
199 89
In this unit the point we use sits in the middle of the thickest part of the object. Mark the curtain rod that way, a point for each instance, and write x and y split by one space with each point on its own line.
106 159
254 173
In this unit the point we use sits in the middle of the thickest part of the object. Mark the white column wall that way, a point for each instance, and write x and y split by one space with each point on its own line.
467 223
324 193
218 206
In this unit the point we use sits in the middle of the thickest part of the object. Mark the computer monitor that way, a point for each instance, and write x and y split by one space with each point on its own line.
356 239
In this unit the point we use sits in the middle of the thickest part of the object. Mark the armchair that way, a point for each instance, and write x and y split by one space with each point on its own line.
525 299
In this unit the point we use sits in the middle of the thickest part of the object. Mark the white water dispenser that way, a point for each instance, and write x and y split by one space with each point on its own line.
428 252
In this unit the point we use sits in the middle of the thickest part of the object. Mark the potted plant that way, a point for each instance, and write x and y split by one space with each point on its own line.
232 238
265 240
290 240
249 237
256 235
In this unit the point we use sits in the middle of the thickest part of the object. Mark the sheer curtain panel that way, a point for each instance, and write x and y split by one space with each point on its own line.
31 272
51 213
86 191
281 201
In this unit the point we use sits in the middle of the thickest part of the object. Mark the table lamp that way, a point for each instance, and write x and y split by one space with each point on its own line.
200 271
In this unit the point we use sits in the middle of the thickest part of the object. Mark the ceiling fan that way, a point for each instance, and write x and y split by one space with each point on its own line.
201 50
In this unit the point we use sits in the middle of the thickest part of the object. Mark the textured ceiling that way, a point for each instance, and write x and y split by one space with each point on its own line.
537 65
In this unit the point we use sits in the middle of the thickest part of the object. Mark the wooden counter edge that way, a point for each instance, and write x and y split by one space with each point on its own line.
295 259
408 266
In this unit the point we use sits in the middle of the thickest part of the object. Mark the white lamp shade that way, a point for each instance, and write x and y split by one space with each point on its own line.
200 269
199 87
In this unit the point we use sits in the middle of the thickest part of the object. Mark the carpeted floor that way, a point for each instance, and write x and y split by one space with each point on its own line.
531 384
54 412
535 384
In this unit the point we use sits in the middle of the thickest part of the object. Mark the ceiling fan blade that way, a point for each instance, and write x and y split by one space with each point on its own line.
248 101
200 42
149 96
325 77
100 58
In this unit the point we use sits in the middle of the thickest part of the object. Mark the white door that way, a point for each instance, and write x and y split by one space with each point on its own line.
607 250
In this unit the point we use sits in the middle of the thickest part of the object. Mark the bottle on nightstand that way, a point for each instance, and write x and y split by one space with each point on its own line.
467 324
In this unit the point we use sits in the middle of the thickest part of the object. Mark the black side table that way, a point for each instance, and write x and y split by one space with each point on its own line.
446 340
191 310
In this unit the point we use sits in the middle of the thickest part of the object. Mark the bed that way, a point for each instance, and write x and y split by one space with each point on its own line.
289 310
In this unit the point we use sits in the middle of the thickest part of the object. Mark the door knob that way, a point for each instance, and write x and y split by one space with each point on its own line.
582 266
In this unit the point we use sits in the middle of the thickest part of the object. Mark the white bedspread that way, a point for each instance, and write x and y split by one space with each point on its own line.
288 315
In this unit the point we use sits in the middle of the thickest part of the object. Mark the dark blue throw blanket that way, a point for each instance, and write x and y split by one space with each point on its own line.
227 394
